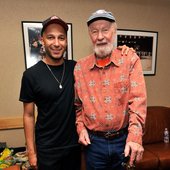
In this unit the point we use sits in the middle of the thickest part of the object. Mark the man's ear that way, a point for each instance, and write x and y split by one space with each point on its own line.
42 42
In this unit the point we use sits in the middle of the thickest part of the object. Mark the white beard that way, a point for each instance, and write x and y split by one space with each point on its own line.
103 51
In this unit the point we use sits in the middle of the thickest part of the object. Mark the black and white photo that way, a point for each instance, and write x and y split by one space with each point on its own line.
145 44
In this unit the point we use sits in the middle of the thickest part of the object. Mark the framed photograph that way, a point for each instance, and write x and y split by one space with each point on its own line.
145 44
33 50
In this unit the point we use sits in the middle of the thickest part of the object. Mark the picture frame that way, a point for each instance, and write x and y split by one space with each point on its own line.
145 43
33 51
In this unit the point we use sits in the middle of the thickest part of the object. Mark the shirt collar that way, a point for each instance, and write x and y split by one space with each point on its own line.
114 59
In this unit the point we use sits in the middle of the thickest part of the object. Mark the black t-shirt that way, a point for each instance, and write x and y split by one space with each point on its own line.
55 126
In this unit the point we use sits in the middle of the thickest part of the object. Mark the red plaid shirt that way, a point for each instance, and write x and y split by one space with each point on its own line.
112 97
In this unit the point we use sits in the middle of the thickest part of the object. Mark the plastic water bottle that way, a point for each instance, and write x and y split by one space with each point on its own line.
166 135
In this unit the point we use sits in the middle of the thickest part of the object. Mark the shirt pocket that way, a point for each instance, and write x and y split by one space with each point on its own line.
121 90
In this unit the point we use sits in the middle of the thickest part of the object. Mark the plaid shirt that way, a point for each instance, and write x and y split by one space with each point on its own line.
112 97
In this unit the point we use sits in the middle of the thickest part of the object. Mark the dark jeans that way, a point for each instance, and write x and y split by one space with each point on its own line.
105 154
61 159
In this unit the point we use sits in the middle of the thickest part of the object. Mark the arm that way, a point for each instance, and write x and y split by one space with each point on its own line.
137 111
81 129
29 123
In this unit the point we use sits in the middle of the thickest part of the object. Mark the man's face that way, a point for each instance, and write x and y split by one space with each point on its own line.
54 40
102 34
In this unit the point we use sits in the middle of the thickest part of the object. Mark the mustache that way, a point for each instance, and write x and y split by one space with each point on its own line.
101 43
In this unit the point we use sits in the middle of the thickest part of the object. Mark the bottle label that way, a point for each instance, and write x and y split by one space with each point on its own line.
166 136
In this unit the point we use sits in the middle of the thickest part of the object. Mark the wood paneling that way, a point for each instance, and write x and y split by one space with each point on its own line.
11 123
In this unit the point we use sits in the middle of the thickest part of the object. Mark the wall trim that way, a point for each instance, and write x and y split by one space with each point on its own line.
11 123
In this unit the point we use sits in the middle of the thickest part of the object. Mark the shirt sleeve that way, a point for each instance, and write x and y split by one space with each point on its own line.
137 101
78 103
26 91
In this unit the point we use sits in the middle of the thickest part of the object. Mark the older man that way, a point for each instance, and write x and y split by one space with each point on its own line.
110 99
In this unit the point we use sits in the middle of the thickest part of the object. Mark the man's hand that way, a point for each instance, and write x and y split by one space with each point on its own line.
84 137
135 151
125 49
32 157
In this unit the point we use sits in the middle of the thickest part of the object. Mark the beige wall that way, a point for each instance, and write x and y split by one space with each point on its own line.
130 14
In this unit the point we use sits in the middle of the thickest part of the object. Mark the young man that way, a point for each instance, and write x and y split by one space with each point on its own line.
50 86
110 99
